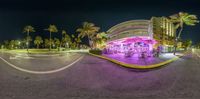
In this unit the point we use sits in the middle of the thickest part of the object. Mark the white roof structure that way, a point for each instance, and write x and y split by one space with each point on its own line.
130 29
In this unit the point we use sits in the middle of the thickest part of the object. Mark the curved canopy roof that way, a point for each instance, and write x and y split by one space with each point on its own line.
129 29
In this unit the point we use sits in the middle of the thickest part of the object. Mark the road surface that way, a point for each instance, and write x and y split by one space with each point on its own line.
95 78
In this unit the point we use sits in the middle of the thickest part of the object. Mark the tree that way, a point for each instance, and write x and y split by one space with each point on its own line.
64 32
66 39
78 41
1 46
63 36
38 41
28 29
100 39
6 43
198 45
187 43
24 42
17 43
89 30
51 29
57 43
179 20
11 44
46 43
29 39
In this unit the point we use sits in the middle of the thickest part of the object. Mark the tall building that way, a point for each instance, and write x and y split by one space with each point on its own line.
164 33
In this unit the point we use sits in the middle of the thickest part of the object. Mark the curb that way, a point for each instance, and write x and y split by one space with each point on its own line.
134 66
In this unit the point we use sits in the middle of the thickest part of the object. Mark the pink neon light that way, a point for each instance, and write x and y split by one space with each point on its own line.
131 45
134 40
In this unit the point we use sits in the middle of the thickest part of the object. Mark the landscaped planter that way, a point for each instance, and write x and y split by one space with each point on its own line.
96 51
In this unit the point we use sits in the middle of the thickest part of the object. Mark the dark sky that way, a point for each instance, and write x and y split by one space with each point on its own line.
69 14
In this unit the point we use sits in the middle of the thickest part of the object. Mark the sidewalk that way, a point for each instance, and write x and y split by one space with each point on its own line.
142 61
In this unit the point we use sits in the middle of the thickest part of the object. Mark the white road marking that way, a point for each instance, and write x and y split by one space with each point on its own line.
17 57
41 72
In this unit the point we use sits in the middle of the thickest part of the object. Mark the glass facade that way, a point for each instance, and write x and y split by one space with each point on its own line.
164 32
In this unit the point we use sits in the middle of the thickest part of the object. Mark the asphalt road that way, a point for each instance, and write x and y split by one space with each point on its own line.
94 78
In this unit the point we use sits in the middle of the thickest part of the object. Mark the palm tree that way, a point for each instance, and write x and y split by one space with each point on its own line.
187 43
6 43
28 29
38 41
17 44
179 20
101 39
11 44
46 43
63 36
66 39
51 29
78 41
57 43
89 30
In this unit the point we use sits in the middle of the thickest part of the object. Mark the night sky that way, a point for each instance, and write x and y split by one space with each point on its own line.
69 14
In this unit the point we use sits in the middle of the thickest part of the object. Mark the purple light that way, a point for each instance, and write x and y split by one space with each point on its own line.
131 45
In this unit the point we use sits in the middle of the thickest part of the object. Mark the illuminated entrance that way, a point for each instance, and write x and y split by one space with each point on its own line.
131 39
133 46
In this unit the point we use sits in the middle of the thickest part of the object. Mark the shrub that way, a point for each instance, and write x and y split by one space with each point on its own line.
95 51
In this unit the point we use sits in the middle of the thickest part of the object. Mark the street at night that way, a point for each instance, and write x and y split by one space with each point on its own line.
99 49
92 77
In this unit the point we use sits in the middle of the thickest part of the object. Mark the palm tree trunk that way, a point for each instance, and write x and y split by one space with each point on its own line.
177 38
38 46
50 42
179 34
